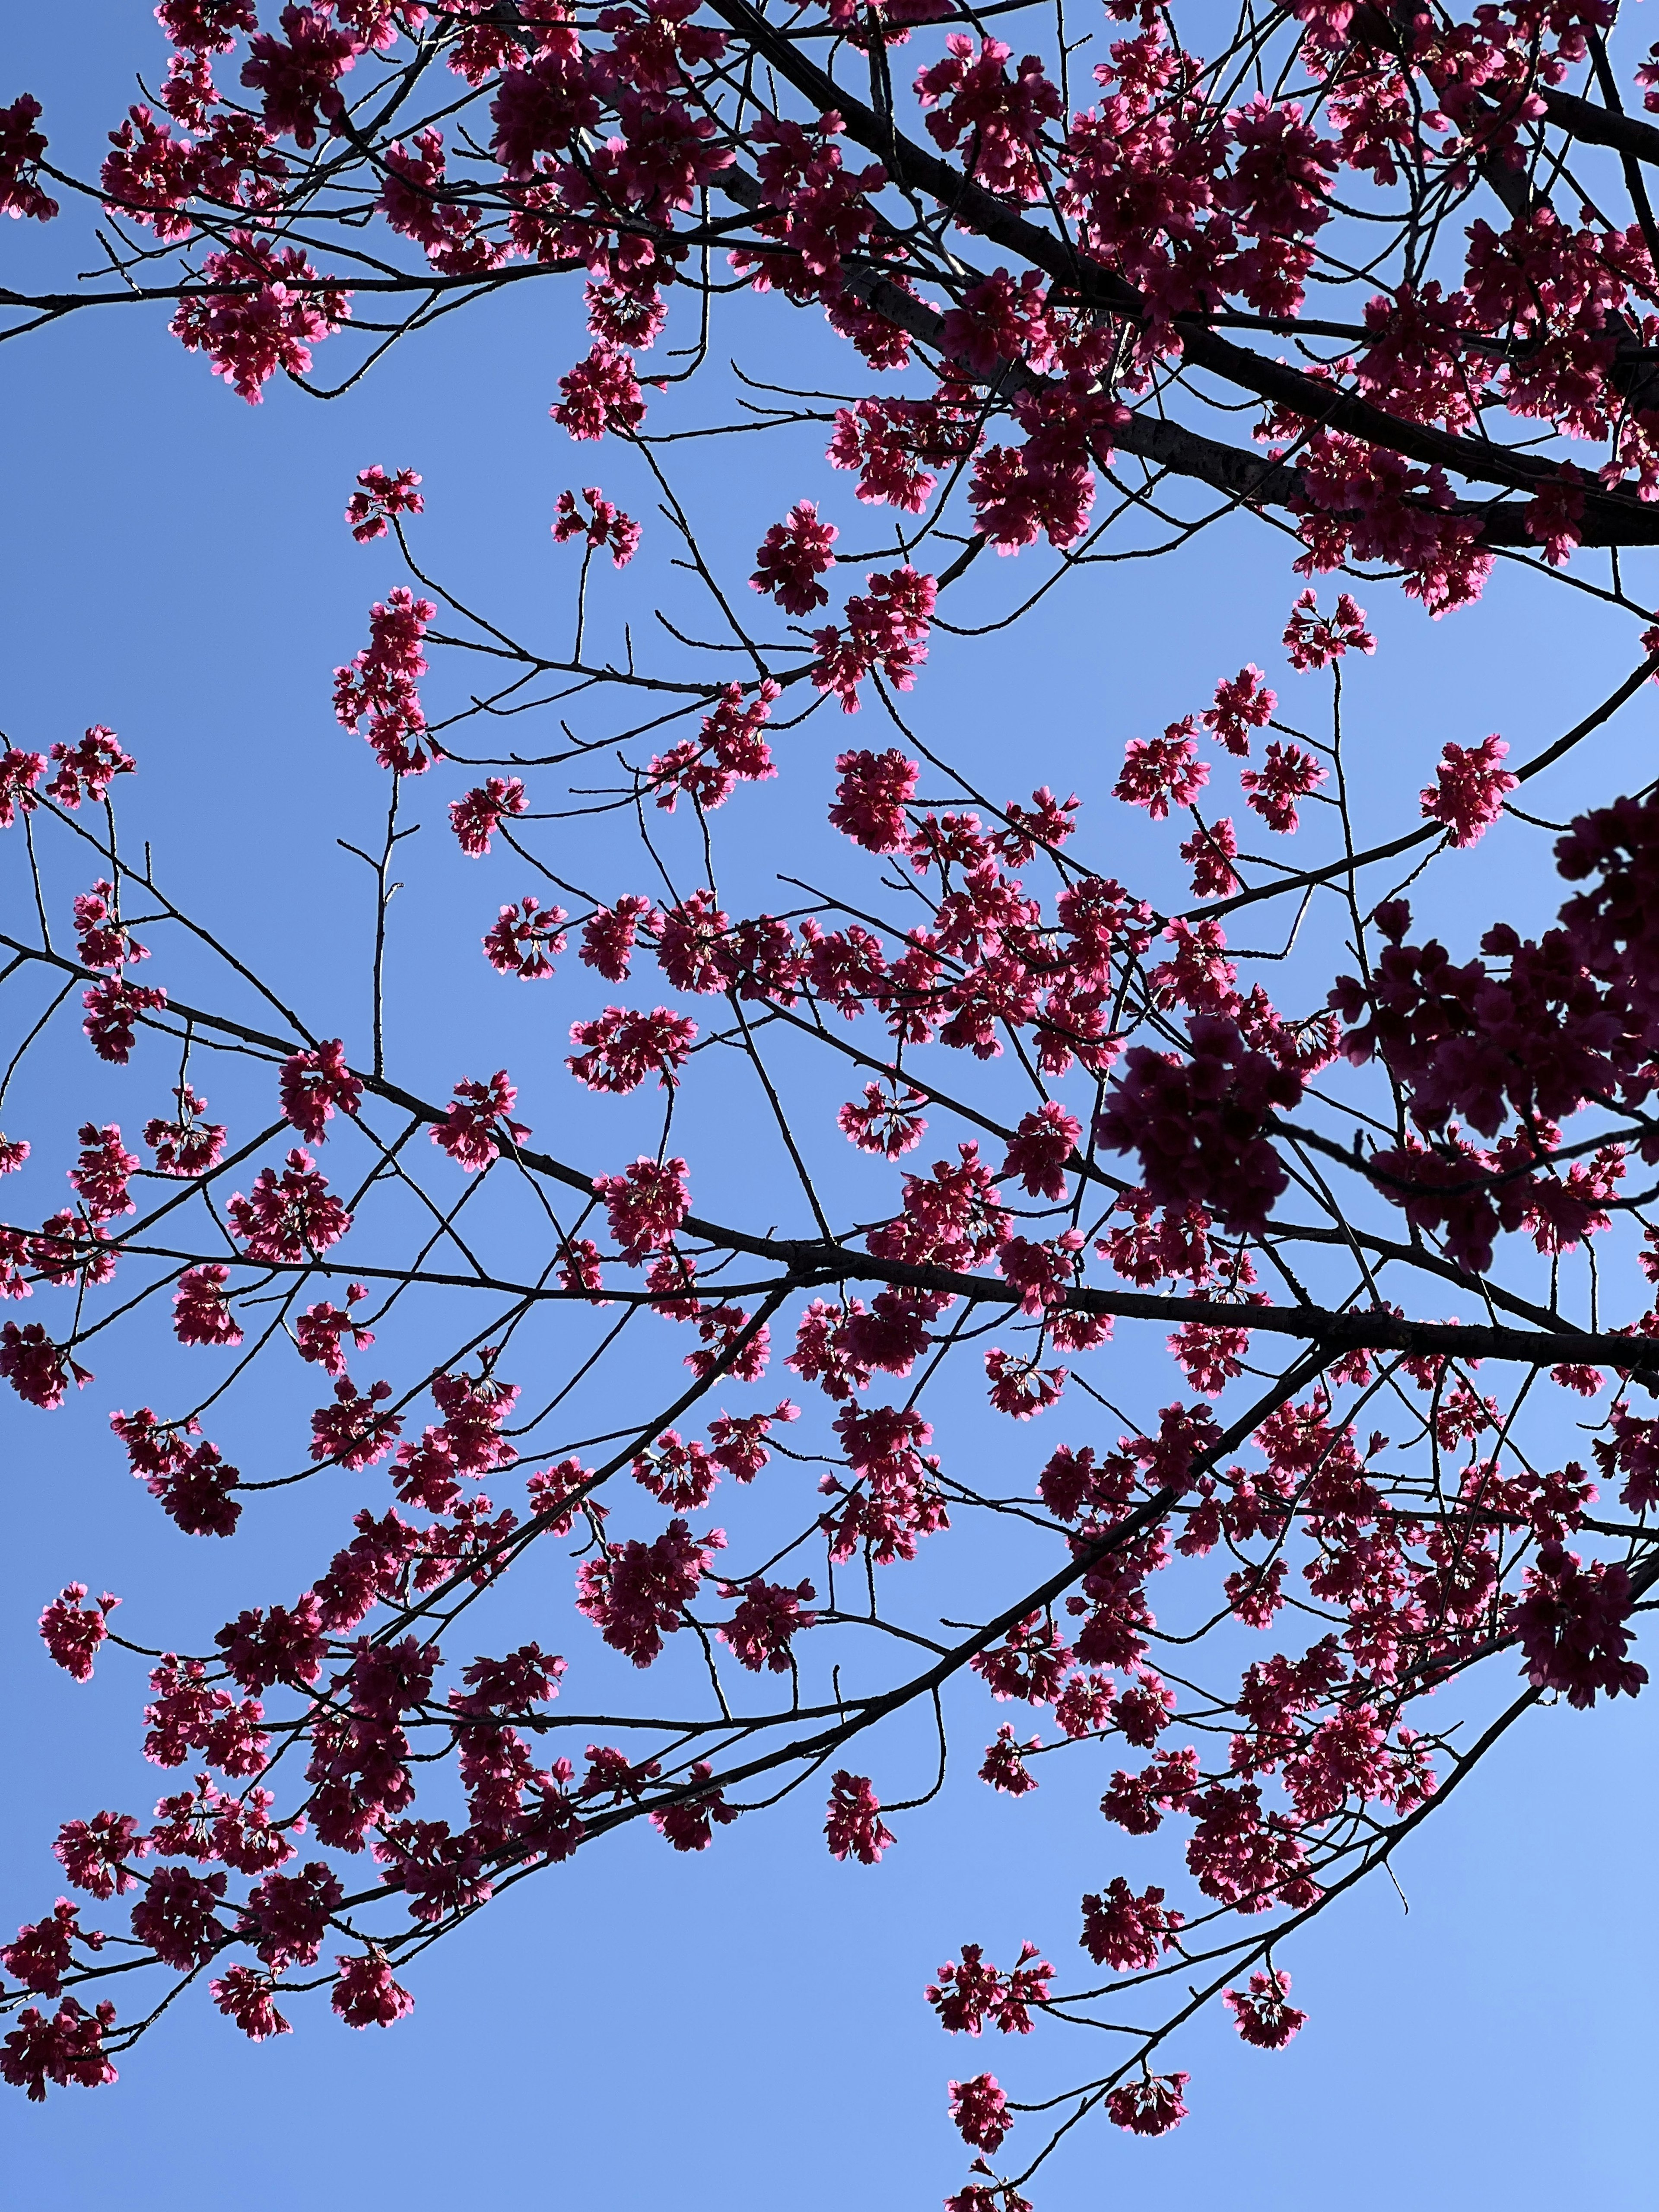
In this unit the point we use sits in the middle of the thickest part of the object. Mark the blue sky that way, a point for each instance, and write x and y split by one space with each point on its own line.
747 2026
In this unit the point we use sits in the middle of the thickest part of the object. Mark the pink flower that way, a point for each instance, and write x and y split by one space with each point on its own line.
1199 1125
600 393
1005 1767
287 1916
634 1593
1211 853
999 319
1286 775
759 1632
541 108
193 1488
377 695
67 2049
298 78
1243 703
94 1854
1554 512
1125 1932
72 1633
609 935
965 1996
680 1474
285 1646
176 1918
603 525
36 1368
320 1329
377 498
1572 1628
887 1122
1261 2016
854 1827
1020 1388
623 1048
645 1205
691 947
440 1873
1046 823
188 1715
980 2109
686 1823
1315 640
1162 772
42 1955
248 1997
1151 2106
871 798
1208 1357
792 556
314 1085
415 204
100 1176
87 770
353 1429
1041 1148
887 626
290 1215
1467 793
21 148
104 941
71 1249
248 335
999 116
1030 1663
476 818
876 437
18 1253
1042 1273
1142 1712
366 1995
20 773
479 1122
738 1439
525 940
114 1011
951 1217
666 155
185 1145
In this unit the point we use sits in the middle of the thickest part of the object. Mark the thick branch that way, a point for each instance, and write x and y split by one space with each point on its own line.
1609 518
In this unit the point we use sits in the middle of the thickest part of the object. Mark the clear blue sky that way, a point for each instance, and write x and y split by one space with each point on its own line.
744 2029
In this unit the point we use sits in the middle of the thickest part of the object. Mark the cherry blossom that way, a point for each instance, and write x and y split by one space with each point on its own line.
1077 328
1151 2106
249 334
525 939
645 1204
478 1122
376 694
605 525
854 1828
1160 773
186 1146
1467 793
1261 2016
72 1633
379 498
314 1085
21 148
289 1214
